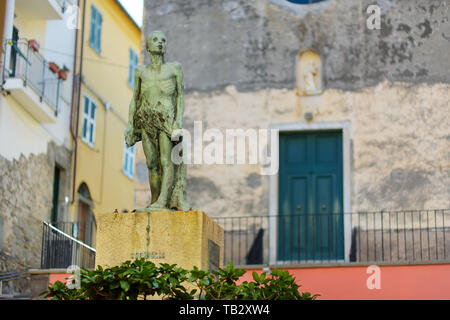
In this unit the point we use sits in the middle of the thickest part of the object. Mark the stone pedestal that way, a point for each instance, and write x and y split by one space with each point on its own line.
184 238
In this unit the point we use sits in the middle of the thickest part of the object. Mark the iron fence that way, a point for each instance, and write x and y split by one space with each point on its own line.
60 250
8 277
324 238
83 231
33 69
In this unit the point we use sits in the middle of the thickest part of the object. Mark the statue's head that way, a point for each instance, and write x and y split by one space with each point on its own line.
156 42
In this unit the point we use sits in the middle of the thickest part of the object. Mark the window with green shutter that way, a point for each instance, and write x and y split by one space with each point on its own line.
95 34
132 67
88 121
128 161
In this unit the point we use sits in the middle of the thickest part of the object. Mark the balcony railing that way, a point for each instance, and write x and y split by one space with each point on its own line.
31 67
329 238
60 250
82 231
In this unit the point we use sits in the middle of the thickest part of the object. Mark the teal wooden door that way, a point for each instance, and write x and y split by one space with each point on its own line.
310 206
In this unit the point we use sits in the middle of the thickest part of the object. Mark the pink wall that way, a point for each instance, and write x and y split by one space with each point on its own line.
350 282
58 277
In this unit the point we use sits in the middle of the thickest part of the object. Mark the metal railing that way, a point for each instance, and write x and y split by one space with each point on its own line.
12 276
82 231
60 250
326 238
33 69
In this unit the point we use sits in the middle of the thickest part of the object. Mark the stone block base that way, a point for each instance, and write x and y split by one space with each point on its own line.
187 239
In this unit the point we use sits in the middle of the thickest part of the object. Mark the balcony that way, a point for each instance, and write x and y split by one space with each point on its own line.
43 9
31 83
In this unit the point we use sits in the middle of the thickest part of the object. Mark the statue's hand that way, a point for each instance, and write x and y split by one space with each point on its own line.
129 136
176 134
176 126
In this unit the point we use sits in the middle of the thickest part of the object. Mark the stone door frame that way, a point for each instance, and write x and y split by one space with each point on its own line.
344 126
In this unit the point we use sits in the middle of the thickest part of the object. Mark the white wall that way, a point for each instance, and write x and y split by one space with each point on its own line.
20 133
60 47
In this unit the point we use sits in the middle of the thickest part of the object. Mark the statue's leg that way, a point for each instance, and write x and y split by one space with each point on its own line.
154 173
168 170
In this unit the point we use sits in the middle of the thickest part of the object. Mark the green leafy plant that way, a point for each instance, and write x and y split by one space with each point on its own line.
222 285
142 279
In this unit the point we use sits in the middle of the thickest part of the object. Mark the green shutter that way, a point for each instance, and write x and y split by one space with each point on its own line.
93 26
130 70
132 67
95 33
99 31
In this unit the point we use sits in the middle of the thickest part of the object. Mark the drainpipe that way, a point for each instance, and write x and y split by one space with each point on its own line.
77 80
8 29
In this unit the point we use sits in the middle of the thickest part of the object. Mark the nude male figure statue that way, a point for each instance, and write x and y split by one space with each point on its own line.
156 111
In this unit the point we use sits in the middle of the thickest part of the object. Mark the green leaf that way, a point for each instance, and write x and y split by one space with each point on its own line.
125 285
114 285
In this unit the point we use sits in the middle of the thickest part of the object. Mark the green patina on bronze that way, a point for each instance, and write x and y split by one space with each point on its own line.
156 111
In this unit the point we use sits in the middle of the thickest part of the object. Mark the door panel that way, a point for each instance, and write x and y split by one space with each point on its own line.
310 196
294 227
297 151
324 192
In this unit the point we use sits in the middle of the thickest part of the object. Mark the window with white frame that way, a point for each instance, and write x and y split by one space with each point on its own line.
95 34
88 129
132 67
128 161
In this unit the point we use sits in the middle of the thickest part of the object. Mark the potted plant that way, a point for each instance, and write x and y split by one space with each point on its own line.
53 67
62 73
34 45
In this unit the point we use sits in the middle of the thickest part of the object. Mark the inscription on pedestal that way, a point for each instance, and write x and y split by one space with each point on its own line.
148 255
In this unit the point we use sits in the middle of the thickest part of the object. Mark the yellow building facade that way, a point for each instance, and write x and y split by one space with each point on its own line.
108 47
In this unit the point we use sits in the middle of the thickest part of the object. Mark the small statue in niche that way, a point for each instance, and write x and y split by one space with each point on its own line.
309 73
310 77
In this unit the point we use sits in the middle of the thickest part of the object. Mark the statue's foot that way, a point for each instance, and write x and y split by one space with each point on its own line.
156 206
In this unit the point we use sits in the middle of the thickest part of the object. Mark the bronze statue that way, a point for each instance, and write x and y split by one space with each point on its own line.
156 111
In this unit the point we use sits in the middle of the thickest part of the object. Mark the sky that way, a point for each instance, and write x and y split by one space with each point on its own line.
135 9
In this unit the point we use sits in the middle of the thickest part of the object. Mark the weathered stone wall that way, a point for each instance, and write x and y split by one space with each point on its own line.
253 44
391 85
26 193
399 142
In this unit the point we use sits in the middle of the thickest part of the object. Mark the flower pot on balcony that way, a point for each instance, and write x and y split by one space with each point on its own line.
62 74
34 45
53 67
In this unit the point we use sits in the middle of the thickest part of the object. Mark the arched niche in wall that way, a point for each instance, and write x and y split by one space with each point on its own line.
309 73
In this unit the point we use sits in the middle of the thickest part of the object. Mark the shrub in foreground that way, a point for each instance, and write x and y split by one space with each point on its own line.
142 279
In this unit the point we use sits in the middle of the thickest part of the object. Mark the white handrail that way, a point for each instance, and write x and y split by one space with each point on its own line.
70 237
